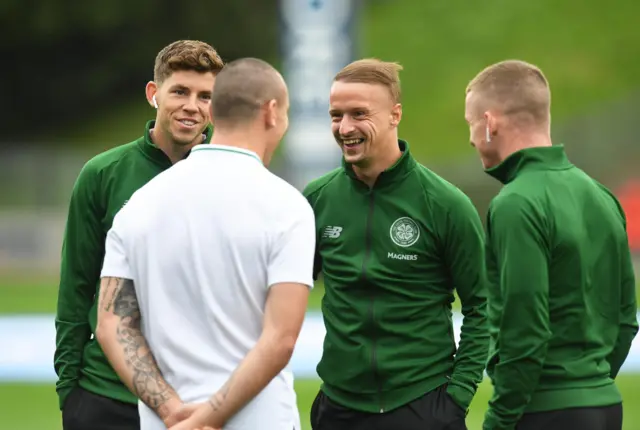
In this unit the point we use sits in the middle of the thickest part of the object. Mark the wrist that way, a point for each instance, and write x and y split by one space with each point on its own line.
212 409
169 407
460 395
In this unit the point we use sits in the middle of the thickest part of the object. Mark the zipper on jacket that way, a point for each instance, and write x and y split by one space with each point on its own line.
367 251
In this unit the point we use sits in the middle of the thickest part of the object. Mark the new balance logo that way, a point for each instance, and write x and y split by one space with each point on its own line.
332 232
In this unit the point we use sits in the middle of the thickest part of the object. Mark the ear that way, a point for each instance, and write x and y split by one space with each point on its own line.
396 115
151 90
492 123
271 116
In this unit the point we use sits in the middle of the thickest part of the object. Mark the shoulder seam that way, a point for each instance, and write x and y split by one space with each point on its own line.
115 160
333 175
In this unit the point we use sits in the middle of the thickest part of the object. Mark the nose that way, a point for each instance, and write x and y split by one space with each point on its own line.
191 105
346 126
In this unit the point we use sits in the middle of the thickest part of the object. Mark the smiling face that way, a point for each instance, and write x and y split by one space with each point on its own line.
364 118
183 101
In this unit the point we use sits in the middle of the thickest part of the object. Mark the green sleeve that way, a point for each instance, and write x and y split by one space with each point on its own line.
517 236
309 194
464 255
82 255
628 314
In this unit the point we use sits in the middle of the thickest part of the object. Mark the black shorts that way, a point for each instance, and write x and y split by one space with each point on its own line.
84 410
594 418
435 410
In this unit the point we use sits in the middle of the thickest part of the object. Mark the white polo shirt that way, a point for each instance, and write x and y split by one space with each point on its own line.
203 241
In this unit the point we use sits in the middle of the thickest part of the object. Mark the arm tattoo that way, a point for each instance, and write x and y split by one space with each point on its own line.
216 401
218 398
148 383
113 291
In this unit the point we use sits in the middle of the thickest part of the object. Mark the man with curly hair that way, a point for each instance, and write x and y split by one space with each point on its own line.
91 395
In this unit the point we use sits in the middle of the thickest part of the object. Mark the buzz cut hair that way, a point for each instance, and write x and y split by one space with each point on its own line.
514 88
189 55
242 88
373 71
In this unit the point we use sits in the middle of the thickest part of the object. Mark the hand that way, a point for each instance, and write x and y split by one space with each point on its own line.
199 416
180 414
186 426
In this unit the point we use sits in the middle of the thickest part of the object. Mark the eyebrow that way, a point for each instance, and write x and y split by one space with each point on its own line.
182 87
354 109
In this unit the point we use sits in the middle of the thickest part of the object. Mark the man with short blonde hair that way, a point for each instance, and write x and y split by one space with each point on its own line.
562 287
520 92
518 87
373 71
394 240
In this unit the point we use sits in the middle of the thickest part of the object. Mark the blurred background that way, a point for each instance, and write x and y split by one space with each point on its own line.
75 73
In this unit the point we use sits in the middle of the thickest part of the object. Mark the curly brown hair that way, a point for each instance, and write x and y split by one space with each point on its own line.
186 55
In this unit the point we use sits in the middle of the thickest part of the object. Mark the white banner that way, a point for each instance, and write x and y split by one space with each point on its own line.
29 343
317 40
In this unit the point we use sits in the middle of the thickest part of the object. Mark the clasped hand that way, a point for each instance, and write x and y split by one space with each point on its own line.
191 416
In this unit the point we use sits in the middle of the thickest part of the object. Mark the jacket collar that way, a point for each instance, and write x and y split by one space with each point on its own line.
156 154
399 170
530 159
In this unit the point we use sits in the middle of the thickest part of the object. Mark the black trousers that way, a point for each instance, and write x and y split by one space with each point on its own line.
435 410
84 410
594 418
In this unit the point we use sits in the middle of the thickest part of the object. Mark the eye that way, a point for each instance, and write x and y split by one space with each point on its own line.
180 92
206 96
359 114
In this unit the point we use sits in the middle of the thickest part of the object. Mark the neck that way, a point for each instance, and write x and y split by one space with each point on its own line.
241 139
369 172
524 141
174 151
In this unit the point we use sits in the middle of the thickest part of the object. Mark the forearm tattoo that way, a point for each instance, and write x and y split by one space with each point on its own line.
216 402
218 398
148 383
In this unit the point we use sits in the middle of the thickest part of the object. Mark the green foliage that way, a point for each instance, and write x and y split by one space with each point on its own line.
590 54
69 62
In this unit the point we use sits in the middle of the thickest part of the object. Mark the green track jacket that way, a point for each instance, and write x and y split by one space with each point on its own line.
562 298
391 258
104 185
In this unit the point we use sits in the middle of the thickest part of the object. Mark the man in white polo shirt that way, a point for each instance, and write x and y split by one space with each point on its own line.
207 272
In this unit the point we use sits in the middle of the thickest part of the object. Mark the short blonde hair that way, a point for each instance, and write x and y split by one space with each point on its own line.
373 71
513 87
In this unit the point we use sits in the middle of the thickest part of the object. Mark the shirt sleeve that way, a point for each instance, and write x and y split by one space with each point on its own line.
292 251
82 253
517 236
116 261
464 254
628 310
317 259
